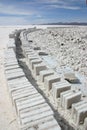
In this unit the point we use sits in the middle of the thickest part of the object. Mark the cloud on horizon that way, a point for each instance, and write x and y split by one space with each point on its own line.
13 10
42 11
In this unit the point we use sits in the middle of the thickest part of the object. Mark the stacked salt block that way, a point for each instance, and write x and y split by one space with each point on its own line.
30 58
85 124
11 44
15 73
69 97
35 61
31 107
49 80
39 67
12 35
28 52
79 112
45 73
59 87
32 110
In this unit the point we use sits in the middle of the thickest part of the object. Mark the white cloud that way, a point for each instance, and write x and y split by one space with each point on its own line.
13 21
66 7
13 10
65 4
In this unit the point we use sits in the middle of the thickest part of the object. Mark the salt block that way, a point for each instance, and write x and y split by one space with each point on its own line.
81 115
28 105
37 122
45 73
10 64
59 87
17 80
23 90
36 107
63 95
27 50
37 117
24 94
52 124
35 61
73 98
20 88
12 67
15 75
70 76
29 98
29 101
12 35
11 59
13 70
35 111
38 68
32 57
85 124
49 80
77 106
79 112
29 53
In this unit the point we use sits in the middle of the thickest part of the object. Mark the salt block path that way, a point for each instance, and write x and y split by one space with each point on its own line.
7 114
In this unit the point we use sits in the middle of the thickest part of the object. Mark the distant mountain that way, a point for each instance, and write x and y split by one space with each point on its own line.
66 23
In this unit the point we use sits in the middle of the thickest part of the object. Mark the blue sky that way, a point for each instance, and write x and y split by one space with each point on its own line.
21 12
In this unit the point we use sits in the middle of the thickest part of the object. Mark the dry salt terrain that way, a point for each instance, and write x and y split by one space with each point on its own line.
67 44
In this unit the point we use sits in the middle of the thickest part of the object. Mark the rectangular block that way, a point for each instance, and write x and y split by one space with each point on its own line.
18 89
36 117
11 63
32 57
18 80
34 107
37 122
35 112
10 60
35 61
63 95
85 124
60 87
23 90
13 71
15 75
28 105
25 94
38 68
81 115
12 67
23 100
77 106
45 73
70 76
29 101
49 80
73 98
50 125
78 112
29 53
